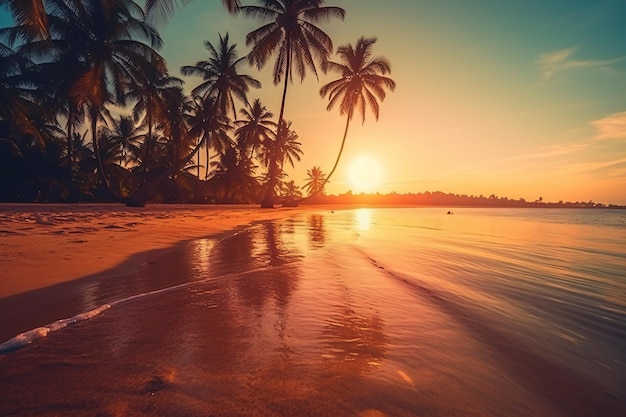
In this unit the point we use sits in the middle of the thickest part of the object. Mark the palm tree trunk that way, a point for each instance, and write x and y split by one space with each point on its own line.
343 142
287 74
268 200
72 197
148 142
109 194
206 171
198 167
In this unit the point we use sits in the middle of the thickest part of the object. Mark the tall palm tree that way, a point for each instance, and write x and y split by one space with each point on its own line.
220 76
362 84
255 127
290 33
315 181
111 46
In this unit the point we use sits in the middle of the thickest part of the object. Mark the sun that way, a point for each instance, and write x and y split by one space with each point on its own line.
364 174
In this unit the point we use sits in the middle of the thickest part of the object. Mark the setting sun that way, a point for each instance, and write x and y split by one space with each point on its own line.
364 174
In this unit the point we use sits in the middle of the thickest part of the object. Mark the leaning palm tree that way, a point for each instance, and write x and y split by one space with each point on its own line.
315 181
220 76
290 33
362 84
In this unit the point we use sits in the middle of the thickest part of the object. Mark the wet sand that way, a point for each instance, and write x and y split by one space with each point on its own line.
59 260
46 244
308 345
267 331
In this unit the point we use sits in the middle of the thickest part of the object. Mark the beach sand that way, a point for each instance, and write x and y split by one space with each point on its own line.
259 333
46 244
52 254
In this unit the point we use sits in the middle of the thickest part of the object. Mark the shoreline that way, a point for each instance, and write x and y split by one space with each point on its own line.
52 255
47 244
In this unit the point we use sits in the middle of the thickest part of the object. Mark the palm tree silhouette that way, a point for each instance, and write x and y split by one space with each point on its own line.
315 181
221 80
233 177
151 111
210 126
254 128
284 147
161 10
291 33
361 85
32 16
110 46
220 76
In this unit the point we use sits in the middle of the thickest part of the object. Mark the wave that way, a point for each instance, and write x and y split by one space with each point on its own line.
30 336
23 339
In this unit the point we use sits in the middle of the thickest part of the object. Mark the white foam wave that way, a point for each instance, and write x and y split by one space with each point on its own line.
30 336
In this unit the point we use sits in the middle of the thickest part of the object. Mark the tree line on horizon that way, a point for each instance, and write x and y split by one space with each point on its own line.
439 198
90 112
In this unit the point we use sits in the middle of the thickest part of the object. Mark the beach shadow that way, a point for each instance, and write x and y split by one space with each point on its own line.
140 273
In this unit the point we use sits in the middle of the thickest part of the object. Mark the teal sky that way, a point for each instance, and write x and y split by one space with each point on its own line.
514 98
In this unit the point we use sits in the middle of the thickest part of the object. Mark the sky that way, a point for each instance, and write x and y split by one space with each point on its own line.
523 99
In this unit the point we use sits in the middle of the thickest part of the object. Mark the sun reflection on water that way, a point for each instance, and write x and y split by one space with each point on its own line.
363 218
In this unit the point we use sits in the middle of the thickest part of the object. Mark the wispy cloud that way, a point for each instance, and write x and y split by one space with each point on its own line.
611 127
562 60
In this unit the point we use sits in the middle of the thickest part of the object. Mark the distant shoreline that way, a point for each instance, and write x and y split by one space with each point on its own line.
450 200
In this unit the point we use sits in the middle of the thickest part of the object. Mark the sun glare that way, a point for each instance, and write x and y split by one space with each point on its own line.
364 174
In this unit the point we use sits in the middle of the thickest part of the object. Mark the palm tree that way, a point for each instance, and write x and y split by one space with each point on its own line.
151 110
221 82
31 14
124 133
161 10
209 126
316 181
233 178
361 85
220 76
291 191
275 152
254 129
292 34
110 45
17 101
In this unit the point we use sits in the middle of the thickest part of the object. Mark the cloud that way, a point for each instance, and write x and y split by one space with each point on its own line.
611 127
562 60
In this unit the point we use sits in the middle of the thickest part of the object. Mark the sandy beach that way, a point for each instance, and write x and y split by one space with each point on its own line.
46 244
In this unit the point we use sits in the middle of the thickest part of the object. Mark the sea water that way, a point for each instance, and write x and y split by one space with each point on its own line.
387 311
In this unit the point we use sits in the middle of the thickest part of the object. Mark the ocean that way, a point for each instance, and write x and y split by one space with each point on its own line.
356 312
